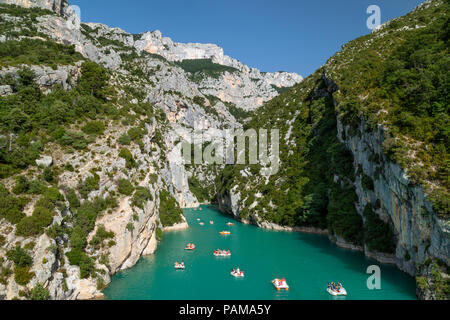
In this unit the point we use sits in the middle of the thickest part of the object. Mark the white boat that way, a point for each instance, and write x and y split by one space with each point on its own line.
198 219
237 273
222 253
211 222
179 266
341 292
280 284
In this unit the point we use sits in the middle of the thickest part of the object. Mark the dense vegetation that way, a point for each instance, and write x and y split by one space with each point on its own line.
169 210
17 21
401 80
204 67
404 74
30 119
303 192
84 222
199 191
37 52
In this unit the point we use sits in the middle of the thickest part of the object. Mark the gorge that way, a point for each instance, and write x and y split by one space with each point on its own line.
93 120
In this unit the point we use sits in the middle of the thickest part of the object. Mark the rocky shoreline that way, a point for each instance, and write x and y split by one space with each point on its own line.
380 257
177 226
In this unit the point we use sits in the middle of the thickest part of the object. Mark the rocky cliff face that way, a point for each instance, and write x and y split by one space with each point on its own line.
60 7
179 104
154 42
419 231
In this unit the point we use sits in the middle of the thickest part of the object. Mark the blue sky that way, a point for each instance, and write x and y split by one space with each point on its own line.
289 35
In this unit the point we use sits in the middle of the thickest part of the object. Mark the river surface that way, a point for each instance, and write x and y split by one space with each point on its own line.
308 262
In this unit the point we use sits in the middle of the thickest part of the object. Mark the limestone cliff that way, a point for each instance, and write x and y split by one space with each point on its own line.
125 228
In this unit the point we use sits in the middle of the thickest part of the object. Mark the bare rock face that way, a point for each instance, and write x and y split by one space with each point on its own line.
5 90
60 7
249 88
420 232
45 161
47 78
154 42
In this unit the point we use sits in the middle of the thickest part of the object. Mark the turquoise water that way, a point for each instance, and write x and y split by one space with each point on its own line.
308 262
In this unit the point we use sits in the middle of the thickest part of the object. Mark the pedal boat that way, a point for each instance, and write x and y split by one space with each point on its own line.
225 233
237 274
340 292
179 266
222 253
230 224
280 284
190 247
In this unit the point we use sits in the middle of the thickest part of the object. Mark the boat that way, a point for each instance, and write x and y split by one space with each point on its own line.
225 232
341 292
198 219
190 246
179 266
222 253
211 222
237 273
201 223
280 284
336 290
230 224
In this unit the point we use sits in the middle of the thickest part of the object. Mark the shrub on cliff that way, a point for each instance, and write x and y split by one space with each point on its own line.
22 275
169 210
71 196
128 156
89 184
100 236
94 128
35 224
125 187
20 257
11 208
39 293
94 80
141 195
